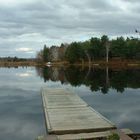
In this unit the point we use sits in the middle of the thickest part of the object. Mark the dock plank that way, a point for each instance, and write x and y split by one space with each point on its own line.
79 136
96 135
61 99
66 112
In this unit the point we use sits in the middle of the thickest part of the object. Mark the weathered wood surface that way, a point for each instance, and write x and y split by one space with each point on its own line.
123 133
48 137
59 98
65 113
93 135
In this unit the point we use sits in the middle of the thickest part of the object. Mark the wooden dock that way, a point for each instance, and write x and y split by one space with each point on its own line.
123 134
67 113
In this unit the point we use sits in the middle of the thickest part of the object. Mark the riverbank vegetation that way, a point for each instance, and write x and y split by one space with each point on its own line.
95 49
15 61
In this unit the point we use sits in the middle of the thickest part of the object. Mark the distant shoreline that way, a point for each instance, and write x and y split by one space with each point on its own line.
98 63
19 63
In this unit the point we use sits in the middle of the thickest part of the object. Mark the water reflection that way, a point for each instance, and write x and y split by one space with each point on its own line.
89 83
20 117
97 79
21 113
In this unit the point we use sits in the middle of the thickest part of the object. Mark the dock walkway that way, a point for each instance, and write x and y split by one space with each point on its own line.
67 113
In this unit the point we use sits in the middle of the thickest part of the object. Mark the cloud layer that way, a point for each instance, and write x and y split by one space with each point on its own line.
32 23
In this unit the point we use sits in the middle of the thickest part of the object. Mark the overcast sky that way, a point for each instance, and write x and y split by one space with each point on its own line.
26 25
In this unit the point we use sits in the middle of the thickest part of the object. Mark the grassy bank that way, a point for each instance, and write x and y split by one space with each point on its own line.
97 63
101 63
20 63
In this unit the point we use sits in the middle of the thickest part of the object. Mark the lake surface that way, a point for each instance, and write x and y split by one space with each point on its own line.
114 93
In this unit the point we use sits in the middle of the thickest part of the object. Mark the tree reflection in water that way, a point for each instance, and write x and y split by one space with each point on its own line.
96 78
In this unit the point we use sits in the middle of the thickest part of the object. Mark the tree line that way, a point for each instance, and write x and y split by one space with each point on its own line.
15 59
93 49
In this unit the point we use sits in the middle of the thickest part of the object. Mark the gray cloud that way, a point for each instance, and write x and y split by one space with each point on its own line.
31 24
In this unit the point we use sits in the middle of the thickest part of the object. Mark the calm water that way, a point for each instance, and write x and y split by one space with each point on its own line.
114 93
